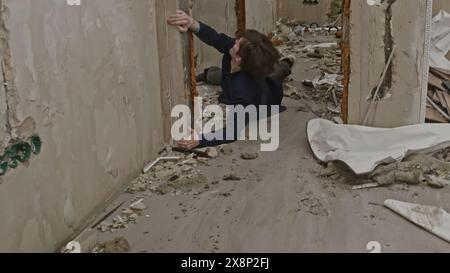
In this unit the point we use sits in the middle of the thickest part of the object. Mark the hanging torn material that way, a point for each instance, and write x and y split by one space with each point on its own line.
440 41
365 148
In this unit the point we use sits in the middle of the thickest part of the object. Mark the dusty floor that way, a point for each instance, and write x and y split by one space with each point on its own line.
281 204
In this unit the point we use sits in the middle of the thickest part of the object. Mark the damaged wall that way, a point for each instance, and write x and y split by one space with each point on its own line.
174 88
374 32
88 78
296 9
261 15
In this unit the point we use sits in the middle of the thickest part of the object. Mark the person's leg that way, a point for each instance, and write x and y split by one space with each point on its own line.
282 71
211 75
214 76
202 77
283 68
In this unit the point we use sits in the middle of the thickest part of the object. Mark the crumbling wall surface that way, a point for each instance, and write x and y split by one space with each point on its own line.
3 106
221 15
174 86
88 78
296 9
439 5
374 32
261 15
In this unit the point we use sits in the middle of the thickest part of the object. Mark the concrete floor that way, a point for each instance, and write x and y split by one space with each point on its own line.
281 205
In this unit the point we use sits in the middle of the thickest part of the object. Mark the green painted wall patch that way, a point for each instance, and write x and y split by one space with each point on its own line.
19 152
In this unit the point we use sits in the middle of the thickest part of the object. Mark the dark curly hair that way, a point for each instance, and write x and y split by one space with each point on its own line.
258 54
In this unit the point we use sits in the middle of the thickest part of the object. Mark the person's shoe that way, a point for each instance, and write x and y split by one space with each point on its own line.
291 59
201 77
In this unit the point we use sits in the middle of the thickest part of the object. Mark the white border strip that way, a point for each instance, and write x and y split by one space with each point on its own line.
426 60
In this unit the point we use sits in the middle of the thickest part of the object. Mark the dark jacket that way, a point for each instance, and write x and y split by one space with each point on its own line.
239 88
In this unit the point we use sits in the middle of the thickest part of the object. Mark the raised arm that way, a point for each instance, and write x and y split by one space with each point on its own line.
205 33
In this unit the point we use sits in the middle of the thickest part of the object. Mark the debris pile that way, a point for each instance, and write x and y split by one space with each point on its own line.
293 38
438 100
177 177
322 95
118 245
126 217
415 170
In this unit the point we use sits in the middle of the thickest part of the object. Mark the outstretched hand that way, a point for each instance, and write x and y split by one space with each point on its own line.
181 20
189 143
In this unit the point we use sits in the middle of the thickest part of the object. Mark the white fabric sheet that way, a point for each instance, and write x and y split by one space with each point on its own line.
364 148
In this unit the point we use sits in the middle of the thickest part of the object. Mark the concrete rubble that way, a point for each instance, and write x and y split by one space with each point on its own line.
249 156
118 245
415 170
322 95
176 177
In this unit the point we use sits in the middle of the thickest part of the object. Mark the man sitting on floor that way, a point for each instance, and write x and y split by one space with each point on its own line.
251 72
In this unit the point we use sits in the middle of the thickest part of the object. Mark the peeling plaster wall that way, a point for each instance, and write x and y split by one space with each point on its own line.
88 76
3 130
295 9
174 86
221 15
369 47
261 15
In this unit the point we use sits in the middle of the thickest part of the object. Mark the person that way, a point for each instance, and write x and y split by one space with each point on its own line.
251 74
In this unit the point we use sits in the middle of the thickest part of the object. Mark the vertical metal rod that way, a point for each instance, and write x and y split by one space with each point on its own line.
192 64
241 15
345 46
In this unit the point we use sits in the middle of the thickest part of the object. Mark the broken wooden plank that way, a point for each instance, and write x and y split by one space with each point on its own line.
434 96
447 99
435 82
438 109
446 85
443 102
440 73
434 116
